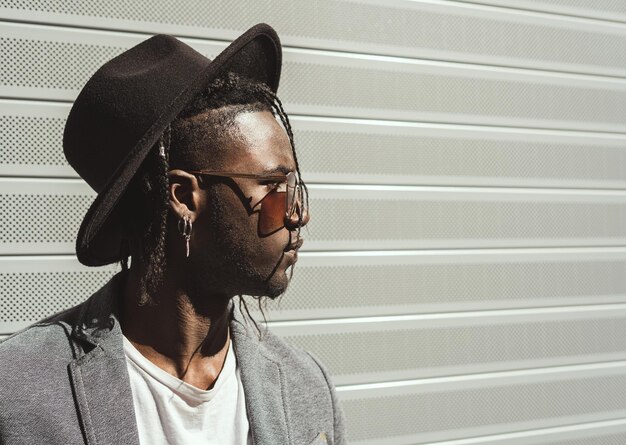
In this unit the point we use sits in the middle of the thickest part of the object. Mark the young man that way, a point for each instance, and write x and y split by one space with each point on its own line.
198 182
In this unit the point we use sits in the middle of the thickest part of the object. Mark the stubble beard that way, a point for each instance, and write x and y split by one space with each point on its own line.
247 279
231 267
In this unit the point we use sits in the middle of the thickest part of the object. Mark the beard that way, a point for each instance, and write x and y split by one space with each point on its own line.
234 274
237 261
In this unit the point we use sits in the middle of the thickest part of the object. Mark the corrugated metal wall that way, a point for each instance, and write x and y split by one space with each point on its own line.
464 274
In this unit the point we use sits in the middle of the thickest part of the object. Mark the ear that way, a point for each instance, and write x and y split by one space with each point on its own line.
185 194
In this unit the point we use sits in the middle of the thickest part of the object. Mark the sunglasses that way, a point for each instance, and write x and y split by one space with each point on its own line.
281 203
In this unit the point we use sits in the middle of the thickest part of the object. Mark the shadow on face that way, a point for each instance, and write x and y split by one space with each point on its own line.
228 253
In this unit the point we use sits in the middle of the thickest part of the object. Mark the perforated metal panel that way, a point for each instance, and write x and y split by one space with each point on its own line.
611 10
41 216
460 343
377 152
316 83
404 218
47 64
605 439
34 288
332 285
450 408
611 432
54 63
46 214
349 151
449 31
327 285
465 304
31 136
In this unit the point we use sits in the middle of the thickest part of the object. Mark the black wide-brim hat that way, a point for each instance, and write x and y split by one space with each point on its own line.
126 105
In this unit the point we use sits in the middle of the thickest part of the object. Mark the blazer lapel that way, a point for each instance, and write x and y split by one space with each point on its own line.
99 376
263 386
104 400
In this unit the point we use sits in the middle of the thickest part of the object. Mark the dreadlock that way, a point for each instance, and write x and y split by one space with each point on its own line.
216 107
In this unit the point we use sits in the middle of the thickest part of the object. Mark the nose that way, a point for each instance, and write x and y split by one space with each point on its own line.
299 218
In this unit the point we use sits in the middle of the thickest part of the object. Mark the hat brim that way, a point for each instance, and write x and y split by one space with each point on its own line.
255 54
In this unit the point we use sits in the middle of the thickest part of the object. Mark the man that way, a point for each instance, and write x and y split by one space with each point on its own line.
197 182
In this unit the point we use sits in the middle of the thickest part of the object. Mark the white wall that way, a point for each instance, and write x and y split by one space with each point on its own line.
464 272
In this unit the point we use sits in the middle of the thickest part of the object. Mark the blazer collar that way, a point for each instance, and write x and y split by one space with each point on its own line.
99 375
98 323
102 386
263 383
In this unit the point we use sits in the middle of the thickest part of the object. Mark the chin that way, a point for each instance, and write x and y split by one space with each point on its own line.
275 287
275 292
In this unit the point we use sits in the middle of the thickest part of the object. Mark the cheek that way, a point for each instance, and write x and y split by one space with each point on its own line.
235 233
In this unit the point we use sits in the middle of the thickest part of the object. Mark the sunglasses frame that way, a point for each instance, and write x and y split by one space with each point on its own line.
282 178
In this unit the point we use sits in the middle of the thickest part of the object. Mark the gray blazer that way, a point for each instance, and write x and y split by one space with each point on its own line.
64 381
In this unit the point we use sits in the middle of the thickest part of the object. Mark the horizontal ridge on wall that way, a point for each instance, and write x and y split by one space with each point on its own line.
336 150
331 285
328 285
358 351
45 285
414 136
46 214
611 10
361 284
314 83
609 432
420 29
480 405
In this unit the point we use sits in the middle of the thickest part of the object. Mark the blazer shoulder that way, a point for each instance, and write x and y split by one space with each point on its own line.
301 370
44 341
270 345
310 387
290 355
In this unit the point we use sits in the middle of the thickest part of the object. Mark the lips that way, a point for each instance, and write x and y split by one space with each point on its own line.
296 245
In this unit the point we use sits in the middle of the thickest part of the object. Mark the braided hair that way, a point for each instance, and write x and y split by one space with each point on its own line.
213 111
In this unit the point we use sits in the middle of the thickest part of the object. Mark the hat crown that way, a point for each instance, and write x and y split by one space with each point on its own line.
127 104
121 101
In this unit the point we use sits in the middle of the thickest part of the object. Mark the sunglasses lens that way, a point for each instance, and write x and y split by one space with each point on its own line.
280 203
272 215
292 182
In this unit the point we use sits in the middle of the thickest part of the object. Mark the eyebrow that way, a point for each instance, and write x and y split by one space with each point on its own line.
279 169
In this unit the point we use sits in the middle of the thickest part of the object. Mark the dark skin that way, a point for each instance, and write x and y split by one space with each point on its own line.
187 332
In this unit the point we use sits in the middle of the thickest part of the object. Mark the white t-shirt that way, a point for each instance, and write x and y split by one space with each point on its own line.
170 411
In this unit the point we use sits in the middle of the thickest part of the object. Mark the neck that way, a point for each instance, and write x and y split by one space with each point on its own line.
173 332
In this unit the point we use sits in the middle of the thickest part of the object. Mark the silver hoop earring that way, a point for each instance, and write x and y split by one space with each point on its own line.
161 148
184 227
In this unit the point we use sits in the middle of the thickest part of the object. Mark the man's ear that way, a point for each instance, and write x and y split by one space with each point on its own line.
184 194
